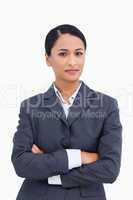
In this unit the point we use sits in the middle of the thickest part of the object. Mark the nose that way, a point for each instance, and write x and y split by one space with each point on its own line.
72 60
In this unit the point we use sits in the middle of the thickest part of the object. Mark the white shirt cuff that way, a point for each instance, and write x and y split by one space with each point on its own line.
74 158
55 180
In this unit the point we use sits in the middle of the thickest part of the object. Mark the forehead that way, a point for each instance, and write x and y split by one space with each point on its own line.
67 41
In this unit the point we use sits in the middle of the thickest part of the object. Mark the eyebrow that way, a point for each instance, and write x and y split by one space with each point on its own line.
67 49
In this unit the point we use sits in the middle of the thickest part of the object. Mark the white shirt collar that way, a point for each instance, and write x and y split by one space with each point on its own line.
71 98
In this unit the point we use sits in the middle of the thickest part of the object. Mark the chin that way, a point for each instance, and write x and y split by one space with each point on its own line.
72 79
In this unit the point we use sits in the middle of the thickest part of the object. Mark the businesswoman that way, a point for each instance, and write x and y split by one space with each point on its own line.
68 141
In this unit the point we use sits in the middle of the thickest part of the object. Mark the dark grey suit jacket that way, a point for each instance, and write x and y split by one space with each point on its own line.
92 125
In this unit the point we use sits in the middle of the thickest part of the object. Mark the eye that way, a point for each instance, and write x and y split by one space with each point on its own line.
79 53
62 54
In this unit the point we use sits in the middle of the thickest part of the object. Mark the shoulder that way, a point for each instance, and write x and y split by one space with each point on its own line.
33 100
106 101
31 104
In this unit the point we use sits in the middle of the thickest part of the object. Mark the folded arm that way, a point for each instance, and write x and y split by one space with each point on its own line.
106 169
76 158
30 165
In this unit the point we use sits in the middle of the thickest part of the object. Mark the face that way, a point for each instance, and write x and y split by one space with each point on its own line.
67 58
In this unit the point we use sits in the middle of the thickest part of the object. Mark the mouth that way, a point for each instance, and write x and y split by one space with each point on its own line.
72 71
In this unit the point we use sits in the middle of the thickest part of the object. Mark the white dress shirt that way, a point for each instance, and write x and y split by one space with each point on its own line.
74 155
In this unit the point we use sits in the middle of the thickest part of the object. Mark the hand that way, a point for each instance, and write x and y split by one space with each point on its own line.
35 149
88 157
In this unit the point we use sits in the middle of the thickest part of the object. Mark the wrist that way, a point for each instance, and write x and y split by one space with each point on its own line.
83 157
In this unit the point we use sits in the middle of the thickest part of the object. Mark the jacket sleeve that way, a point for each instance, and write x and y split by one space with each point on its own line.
30 165
106 169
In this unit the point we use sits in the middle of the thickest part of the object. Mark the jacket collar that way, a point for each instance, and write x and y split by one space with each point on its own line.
71 98
81 102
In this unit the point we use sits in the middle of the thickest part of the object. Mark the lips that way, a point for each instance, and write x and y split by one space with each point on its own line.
72 71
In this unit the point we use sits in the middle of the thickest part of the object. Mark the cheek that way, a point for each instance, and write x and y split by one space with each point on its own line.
81 62
58 67
60 64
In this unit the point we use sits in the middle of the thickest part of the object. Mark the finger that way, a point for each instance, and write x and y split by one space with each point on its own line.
37 148
34 150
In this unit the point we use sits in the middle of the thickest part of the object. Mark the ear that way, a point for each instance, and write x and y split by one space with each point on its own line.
47 60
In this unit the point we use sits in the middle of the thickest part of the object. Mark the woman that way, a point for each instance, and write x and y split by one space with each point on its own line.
68 140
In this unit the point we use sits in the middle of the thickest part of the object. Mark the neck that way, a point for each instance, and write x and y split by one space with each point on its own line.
66 88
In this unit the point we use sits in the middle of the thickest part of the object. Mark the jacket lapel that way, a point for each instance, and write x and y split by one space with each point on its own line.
52 102
81 102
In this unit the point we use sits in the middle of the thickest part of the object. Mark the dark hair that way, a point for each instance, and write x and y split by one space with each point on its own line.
55 33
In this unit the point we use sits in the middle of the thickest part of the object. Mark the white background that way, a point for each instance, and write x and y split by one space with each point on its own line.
108 28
